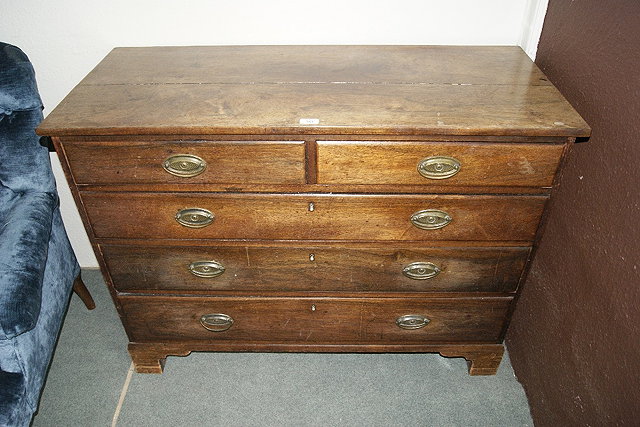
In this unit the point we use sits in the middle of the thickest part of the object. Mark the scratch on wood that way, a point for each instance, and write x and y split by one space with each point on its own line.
408 229
360 329
247 252
495 272
525 167
482 230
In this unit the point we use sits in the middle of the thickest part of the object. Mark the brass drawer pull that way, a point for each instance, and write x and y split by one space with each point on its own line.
412 321
184 165
216 322
194 217
206 269
431 219
421 270
438 167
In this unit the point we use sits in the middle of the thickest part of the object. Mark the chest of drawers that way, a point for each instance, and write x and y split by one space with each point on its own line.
314 198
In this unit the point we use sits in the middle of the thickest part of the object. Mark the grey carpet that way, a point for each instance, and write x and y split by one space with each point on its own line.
270 389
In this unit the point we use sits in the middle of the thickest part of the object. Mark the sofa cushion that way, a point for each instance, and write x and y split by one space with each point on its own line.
24 235
25 164
12 390
18 89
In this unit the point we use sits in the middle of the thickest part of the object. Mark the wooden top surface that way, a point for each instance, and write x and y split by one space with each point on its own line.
395 90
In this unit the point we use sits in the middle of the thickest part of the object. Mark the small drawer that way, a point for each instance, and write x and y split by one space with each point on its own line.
315 320
150 269
197 162
313 216
438 163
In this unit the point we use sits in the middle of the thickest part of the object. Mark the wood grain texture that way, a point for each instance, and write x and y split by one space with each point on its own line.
259 270
150 359
140 162
311 137
385 162
348 244
348 89
483 360
335 217
317 64
315 320
435 188
263 109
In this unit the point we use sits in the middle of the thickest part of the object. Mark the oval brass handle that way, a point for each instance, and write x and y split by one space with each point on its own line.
431 219
207 269
438 167
216 322
412 321
194 217
184 165
421 270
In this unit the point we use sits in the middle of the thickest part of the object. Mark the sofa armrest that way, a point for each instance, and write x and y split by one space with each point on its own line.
25 228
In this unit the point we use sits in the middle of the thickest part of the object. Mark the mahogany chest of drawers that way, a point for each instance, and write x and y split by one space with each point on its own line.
314 198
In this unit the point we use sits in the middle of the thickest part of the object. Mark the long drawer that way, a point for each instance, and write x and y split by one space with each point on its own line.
322 269
313 216
437 163
213 162
315 320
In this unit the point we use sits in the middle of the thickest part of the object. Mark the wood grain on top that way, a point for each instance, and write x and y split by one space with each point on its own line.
317 64
401 90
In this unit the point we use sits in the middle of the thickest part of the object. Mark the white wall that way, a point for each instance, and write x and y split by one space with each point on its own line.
65 39
534 14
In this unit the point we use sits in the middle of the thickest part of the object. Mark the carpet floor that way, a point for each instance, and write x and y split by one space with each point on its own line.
91 383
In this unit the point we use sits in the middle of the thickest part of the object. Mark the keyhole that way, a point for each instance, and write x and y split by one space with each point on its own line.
312 207
312 257
313 307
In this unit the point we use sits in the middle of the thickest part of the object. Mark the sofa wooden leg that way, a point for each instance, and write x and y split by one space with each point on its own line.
81 290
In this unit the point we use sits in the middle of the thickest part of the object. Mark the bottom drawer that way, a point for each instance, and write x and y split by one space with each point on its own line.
315 320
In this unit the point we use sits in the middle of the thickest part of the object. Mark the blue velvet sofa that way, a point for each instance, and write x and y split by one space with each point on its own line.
38 268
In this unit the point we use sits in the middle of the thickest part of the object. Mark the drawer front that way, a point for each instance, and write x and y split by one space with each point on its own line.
314 320
438 163
313 216
219 162
277 269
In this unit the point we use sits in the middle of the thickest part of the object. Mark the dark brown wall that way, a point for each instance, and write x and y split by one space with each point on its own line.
575 337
